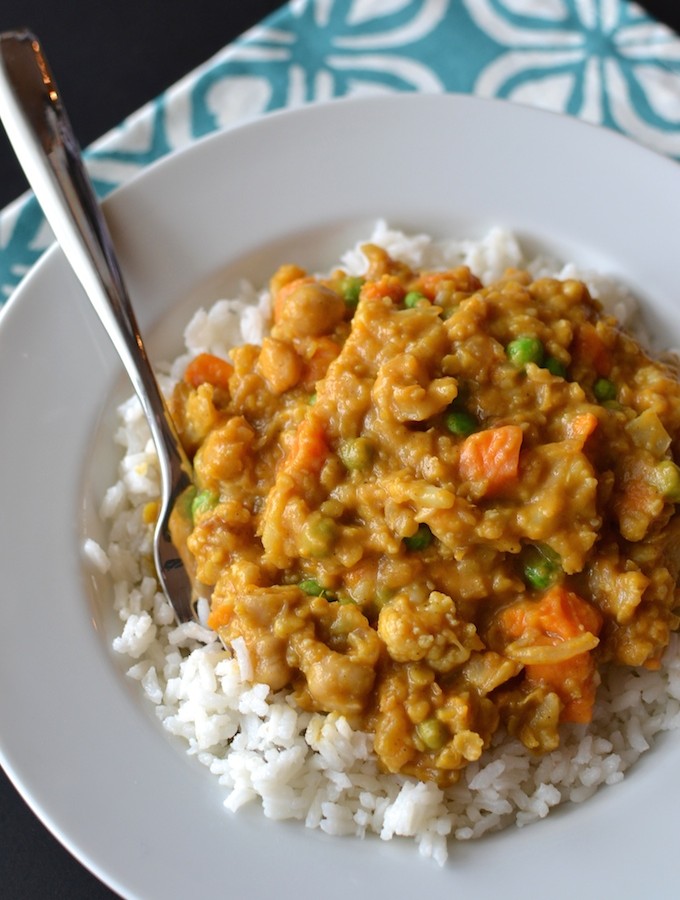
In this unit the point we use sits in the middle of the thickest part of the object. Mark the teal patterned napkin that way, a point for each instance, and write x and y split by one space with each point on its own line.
604 61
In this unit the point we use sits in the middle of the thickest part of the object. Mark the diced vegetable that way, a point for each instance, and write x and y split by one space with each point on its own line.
310 449
350 288
356 453
209 368
590 351
524 350
648 432
666 476
421 540
559 613
312 588
413 298
574 681
553 637
490 458
318 536
555 367
540 566
460 422
604 390
203 502
551 654
432 733
581 427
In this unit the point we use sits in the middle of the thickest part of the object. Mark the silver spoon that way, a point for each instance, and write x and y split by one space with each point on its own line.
39 130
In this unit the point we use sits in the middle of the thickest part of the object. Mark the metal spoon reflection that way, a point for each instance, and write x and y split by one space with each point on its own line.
39 130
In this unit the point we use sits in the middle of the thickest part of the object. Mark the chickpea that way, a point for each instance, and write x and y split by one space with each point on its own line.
305 308
279 365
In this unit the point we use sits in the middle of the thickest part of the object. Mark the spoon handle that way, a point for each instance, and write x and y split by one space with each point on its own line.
41 135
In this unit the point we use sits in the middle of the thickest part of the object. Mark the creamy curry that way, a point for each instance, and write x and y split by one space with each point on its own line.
436 507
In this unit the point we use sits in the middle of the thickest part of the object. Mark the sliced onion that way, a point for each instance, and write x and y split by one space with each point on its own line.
546 654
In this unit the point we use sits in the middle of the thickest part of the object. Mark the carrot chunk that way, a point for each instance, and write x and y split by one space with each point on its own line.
558 619
581 427
387 286
310 448
490 459
574 683
590 350
208 368
558 615
460 278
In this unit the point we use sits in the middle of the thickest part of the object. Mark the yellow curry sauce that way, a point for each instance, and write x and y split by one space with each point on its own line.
435 507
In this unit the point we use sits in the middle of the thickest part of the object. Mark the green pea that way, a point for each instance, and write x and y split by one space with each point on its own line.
421 540
604 390
432 733
203 502
312 399
350 288
541 566
356 453
413 298
555 367
667 480
460 422
312 588
524 350
318 536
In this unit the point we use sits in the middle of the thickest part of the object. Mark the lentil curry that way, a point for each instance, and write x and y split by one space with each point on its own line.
436 507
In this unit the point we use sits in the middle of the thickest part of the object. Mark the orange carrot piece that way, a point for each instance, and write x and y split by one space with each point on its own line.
582 426
462 278
590 350
490 458
208 368
386 286
574 683
565 614
559 615
310 448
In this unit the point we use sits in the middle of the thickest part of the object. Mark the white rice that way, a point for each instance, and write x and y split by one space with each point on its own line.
314 767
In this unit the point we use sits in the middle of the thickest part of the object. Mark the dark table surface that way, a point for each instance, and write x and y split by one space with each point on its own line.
143 46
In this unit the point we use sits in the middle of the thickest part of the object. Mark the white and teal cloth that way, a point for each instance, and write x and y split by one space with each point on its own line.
604 61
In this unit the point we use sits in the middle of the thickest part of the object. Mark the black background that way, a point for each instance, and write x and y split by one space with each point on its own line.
138 48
